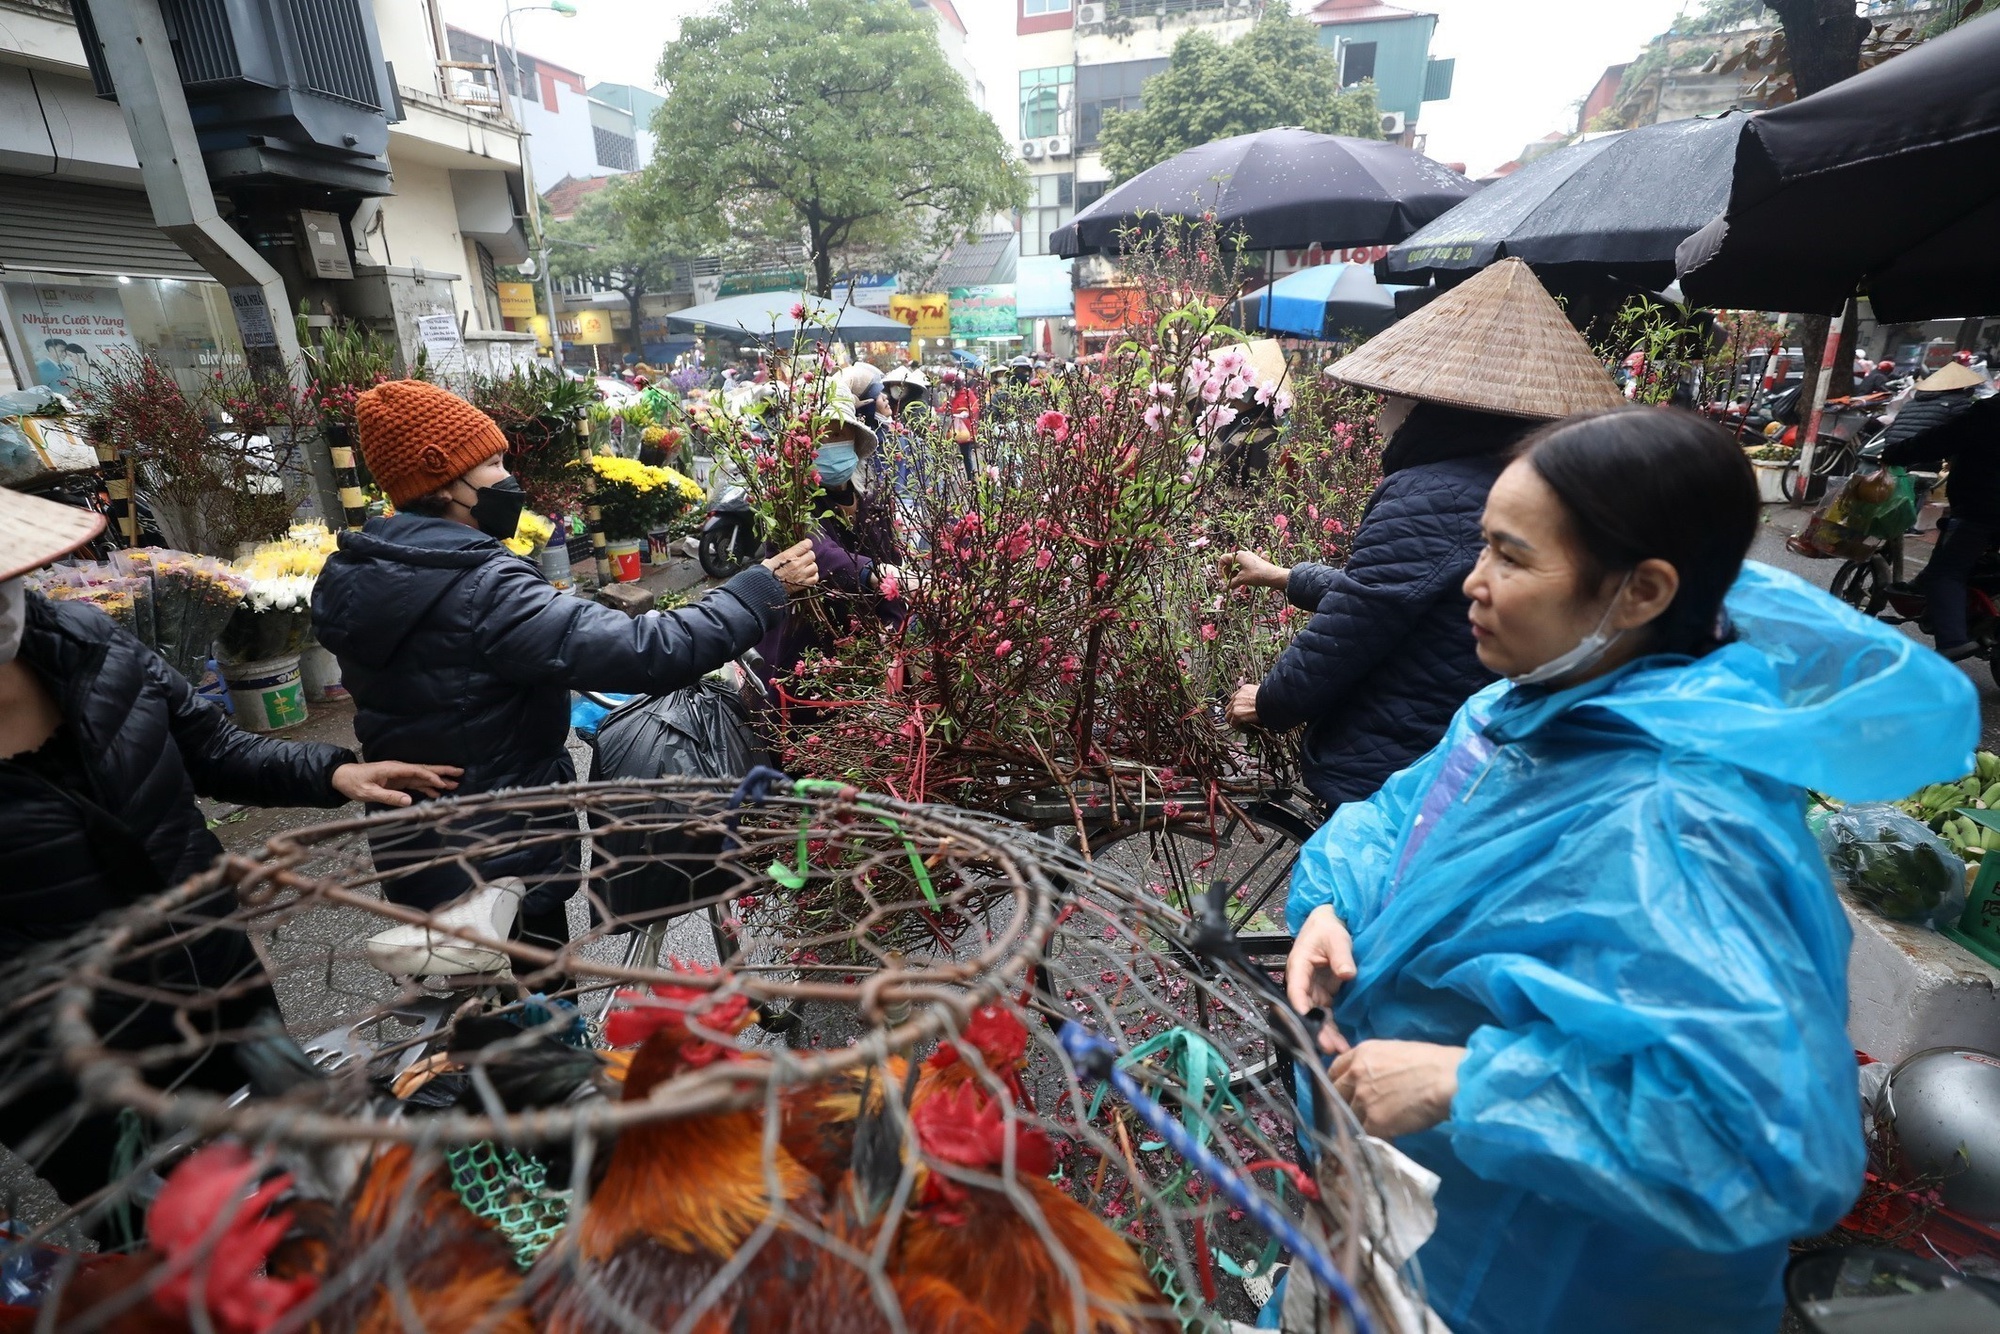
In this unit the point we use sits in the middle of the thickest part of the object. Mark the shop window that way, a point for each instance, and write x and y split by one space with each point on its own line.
64 325
1037 8
1045 97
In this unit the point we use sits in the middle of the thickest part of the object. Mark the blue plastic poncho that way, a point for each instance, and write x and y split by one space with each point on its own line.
1609 897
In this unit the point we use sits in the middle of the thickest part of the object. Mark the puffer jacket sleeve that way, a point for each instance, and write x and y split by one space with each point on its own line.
1914 438
227 763
1694 1080
1406 553
533 634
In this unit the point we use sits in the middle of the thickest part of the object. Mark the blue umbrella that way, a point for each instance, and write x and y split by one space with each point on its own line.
1327 299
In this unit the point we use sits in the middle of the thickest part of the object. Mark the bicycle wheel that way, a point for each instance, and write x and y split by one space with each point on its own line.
1862 585
1178 858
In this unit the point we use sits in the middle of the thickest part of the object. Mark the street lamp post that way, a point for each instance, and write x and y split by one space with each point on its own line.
540 238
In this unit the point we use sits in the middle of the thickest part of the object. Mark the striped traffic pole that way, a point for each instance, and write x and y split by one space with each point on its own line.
347 479
593 517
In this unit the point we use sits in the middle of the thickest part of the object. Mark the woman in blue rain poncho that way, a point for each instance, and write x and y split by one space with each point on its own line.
1585 961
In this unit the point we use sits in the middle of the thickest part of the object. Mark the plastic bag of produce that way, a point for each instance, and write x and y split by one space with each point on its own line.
1891 862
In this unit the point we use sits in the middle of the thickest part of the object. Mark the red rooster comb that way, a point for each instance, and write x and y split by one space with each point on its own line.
636 1015
965 1128
208 1227
999 1037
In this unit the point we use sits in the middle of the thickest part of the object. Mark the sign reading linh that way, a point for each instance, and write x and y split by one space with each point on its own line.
983 312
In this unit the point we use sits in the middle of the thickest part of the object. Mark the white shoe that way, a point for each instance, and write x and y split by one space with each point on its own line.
423 951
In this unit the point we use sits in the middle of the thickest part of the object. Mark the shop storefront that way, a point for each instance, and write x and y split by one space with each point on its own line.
85 275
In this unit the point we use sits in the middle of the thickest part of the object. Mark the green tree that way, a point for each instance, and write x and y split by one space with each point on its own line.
613 243
835 119
1718 16
1275 74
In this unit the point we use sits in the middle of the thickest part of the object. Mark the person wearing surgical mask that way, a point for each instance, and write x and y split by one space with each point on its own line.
103 751
458 650
1581 960
853 581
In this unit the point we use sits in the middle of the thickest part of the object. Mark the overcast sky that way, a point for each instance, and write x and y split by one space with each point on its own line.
1522 64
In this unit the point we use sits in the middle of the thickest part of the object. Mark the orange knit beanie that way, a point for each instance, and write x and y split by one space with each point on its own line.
417 438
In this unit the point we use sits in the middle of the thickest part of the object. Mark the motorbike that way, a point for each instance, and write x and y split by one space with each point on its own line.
1909 605
728 540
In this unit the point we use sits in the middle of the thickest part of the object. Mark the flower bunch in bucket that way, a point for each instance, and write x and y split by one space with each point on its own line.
636 498
276 612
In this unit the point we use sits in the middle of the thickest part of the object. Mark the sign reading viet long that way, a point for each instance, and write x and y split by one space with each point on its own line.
983 312
1291 261
927 313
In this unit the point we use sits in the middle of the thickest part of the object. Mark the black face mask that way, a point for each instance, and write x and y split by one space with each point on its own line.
497 510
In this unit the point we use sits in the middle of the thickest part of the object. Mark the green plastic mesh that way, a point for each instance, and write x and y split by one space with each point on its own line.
510 1190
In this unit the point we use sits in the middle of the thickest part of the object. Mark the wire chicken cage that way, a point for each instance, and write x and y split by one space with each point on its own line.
816 1059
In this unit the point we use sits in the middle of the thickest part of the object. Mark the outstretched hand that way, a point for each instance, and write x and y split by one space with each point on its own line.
1320 964
390 782
796 567
1247 569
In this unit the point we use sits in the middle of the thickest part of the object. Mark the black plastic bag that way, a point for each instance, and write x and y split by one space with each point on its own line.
700 731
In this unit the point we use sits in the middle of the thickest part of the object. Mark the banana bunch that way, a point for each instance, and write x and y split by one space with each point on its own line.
1938 806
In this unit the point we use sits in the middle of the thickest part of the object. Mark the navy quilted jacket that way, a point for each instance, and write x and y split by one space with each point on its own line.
1387 658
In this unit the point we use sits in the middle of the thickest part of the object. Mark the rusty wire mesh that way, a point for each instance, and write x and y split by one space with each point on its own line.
847 1106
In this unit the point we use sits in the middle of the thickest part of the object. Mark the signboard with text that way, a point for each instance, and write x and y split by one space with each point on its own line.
872 291
1106 308
1311 257
517 301
928 313
69 330
747 284
983 312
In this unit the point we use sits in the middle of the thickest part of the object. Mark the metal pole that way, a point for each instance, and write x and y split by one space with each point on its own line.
540 237
1810 443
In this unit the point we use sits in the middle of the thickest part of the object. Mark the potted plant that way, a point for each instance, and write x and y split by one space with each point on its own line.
635 499
1770 463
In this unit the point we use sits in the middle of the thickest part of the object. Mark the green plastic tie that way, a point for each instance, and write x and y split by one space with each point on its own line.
826 787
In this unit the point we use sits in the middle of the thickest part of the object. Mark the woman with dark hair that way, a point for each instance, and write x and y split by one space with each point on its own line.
1386 658
1583 958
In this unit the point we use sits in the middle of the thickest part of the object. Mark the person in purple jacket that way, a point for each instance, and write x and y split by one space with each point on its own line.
851 583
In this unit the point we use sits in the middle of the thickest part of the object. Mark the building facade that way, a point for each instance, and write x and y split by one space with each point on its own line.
1392 46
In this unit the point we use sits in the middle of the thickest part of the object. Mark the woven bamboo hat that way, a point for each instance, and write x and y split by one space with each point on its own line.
1952 375
34 531
1497 343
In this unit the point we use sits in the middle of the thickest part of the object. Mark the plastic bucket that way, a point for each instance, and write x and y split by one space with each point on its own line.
319 671
555 564
269 695
624 558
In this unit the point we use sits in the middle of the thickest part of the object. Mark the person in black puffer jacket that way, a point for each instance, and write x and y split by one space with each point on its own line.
456 649
103 749
1388 655
1944 422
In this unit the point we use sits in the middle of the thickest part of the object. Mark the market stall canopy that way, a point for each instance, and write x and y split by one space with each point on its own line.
1888 183
1324 301
767 317
1280 189
1616 206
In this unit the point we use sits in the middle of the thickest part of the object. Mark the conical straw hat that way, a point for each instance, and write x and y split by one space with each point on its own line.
1953 375
1496 343
34 531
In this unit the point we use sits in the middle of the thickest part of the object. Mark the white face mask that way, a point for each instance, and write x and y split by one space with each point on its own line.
1589 651
13 617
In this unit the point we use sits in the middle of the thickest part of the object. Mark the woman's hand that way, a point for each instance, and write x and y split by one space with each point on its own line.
796 567
1321 963
1242 710
1398 1088
1247 569
390 782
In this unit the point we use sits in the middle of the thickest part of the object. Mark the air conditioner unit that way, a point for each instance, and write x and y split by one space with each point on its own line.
1031 149
1089 16
1392 125
1059 146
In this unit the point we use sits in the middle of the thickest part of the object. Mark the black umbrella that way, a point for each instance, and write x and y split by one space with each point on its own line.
1613 207
1888 182
1280 189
